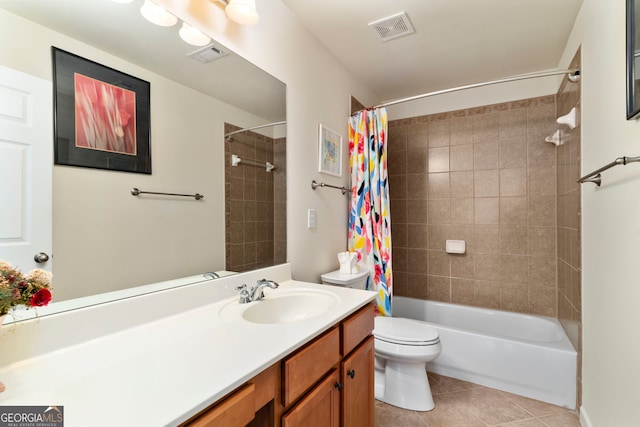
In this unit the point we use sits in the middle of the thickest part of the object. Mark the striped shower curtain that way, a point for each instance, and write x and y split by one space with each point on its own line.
369 218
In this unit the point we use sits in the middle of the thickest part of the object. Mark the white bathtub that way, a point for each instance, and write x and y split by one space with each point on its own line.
522 354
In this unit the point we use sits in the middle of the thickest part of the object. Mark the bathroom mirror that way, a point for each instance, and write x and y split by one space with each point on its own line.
106 241
633 59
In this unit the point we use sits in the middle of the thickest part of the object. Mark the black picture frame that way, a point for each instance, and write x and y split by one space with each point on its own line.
106 126
633 59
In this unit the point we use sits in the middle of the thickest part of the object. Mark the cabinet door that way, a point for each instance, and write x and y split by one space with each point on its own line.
358 393
320 407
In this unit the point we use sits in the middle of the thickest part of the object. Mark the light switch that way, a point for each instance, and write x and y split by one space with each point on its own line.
311 218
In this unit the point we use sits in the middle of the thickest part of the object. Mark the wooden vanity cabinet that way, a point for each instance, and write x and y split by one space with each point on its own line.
328 382
349 380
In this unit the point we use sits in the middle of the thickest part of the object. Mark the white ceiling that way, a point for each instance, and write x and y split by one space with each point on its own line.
456 42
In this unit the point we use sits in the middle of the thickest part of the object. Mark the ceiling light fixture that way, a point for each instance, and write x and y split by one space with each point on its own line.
241 11
193 36
157 14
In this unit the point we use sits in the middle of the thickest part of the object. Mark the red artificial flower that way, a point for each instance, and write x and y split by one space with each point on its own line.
40 298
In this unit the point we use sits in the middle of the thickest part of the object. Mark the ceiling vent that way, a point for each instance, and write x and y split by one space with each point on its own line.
207 54
393 26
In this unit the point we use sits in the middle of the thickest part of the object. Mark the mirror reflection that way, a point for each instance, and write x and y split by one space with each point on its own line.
105 239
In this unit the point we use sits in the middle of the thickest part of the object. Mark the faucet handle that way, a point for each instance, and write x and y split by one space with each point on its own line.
244 294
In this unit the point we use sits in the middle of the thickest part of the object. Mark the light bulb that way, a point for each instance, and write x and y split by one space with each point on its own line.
242 11
157 14
193 36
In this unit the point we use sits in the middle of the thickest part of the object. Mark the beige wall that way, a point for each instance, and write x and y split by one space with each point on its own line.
610 226
484 175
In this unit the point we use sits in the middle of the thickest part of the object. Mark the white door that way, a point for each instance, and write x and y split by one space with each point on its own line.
26 158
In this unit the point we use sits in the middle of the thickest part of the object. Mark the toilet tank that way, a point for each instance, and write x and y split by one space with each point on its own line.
347 280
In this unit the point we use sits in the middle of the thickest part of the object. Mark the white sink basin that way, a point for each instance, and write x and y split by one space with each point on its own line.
282 306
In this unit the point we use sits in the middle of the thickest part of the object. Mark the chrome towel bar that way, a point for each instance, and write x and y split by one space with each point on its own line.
315 184
595 176
235 161
136 192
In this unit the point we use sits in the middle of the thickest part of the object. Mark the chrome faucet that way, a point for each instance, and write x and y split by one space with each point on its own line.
255 294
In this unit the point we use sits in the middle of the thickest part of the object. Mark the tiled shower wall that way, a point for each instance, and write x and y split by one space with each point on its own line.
255 202
569 223
486 176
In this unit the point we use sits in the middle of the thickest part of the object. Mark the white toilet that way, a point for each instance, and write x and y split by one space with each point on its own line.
403 347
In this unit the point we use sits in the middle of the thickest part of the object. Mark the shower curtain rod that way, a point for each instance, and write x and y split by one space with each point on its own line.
227 135
573 72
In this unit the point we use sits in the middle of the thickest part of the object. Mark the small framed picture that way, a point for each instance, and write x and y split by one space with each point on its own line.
101 116
329 152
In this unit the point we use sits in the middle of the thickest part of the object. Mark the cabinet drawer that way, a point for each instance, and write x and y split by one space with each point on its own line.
307 366
237 410
356 328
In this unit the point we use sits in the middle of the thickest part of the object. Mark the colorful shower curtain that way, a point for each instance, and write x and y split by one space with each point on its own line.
369 218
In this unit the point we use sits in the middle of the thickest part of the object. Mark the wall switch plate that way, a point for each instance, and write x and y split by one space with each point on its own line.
311 218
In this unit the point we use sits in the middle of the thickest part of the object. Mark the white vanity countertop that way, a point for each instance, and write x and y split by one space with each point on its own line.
164 371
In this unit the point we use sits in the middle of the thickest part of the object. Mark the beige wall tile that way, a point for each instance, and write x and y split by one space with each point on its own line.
513 182
513 210
514 269
513 153
461 158
417 186
462 211
542 240
486 183
439 288
514 239
417 136
487 210
439 185
439 133
487 266
416 161
439 211
416 236
486 155
461 132
485 127
439 159
461 184
462 291
487 239
439 263
513 123
462 266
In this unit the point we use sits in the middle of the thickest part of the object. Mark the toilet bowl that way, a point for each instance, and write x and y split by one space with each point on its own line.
402 348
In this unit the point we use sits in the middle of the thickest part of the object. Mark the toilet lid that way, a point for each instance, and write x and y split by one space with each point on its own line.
404 331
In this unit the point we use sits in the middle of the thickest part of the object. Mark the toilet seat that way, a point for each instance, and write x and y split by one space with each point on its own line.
398 330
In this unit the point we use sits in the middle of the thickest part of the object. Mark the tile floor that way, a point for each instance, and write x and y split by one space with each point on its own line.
460 403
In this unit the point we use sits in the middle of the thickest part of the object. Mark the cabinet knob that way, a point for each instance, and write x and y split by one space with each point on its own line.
351 373
338 386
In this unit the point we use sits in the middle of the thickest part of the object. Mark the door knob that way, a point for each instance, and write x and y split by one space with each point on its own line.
41 257
351 373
